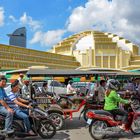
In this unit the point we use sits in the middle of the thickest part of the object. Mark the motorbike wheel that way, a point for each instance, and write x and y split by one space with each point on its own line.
135 127
96 129
57 119
46 129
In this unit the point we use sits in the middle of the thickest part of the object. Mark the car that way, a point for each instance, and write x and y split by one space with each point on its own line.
53 86
82 86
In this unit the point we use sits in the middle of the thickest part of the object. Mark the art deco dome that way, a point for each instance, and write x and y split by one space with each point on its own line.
100 50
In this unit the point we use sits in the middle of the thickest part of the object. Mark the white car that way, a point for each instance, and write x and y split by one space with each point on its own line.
53 86
83 86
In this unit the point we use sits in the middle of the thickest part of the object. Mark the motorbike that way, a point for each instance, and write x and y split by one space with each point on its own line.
90 104
102 123
55 112
71 104
40 124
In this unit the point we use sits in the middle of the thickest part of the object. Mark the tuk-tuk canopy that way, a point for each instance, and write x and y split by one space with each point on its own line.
71 72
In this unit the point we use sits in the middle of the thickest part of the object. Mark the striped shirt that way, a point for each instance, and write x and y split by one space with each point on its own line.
11 97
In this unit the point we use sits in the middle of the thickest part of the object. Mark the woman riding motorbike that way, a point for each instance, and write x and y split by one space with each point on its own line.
112 99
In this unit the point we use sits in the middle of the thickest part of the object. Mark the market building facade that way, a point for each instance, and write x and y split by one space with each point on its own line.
99 50
85 50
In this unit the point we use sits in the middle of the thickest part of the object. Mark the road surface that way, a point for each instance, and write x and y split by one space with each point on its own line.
76 130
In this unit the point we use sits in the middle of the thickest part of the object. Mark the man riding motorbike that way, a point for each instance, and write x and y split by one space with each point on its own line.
16 102
112 99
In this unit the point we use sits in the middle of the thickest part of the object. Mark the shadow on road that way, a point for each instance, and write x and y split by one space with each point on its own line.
120 136
58 136
74 124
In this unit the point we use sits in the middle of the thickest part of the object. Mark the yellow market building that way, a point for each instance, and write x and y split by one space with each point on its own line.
99 50
85 50
12 58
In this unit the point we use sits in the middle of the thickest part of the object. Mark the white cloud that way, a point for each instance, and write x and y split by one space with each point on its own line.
1 16
122 17
47 38
37 37
34 24
12 18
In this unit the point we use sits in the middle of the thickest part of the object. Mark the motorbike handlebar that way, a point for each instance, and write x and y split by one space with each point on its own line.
33 104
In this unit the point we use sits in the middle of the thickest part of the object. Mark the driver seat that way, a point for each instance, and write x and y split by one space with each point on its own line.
103 112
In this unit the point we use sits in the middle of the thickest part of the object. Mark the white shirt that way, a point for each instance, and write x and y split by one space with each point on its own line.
70 89
101 93
20 82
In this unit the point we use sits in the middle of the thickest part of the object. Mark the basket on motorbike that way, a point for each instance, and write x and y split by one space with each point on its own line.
42 100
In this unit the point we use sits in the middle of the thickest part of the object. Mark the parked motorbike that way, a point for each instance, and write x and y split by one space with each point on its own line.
102 123
40 124
73 104
90 104
55 112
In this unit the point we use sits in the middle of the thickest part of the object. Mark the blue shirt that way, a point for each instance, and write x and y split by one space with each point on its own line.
3 95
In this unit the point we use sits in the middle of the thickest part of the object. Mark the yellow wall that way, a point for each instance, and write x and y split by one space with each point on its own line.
12 57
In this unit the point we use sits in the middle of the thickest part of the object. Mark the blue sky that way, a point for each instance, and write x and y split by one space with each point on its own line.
49 21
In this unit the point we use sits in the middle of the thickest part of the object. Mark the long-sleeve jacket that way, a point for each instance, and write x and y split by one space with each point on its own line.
112 100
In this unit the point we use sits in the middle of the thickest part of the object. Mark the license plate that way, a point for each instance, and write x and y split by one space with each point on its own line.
89 121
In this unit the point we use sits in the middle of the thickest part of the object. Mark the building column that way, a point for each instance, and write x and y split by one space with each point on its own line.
121 59
90 57
93 49
116 55
71 50
54 49
108 61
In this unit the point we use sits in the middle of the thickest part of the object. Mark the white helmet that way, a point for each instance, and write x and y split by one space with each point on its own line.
113 84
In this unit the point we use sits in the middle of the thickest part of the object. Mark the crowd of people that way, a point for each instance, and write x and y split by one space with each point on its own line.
104 92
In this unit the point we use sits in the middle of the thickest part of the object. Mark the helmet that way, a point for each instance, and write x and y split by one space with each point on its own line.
113 84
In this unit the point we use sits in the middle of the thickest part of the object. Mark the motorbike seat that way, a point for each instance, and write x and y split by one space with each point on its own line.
103 112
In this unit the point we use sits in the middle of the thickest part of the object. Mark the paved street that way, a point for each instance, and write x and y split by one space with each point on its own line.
76 130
